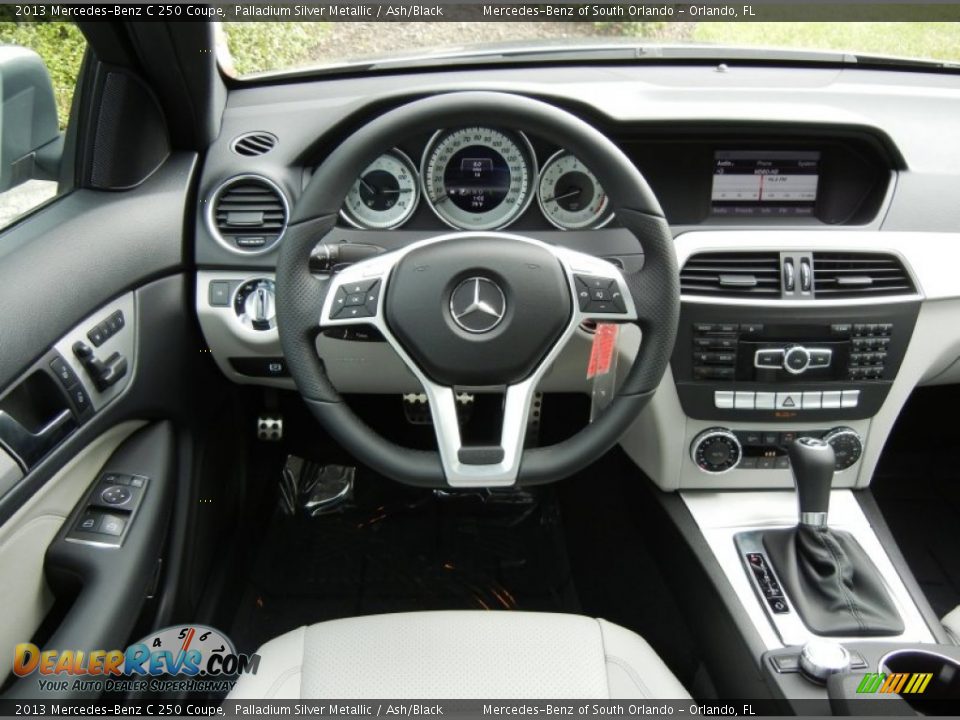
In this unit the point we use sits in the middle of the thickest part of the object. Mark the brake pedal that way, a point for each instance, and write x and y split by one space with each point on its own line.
270 428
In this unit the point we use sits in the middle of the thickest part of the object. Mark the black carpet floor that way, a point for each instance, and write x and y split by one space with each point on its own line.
396 549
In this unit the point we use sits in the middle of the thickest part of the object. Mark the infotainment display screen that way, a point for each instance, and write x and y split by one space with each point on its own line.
765 183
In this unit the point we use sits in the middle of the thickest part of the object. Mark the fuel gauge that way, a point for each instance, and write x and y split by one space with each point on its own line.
570 195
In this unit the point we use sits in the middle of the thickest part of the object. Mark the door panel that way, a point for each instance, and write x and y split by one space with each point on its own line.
24 593
68 259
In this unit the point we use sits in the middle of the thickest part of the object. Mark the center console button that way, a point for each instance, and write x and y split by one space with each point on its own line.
765 401
768 359
788 401
850 399
723 399
743 401
830 400
811 400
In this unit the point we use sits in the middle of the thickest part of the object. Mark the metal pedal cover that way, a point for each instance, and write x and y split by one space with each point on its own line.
416 408
270 428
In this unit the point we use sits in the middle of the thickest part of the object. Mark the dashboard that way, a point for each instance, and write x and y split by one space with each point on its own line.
820 172
488 178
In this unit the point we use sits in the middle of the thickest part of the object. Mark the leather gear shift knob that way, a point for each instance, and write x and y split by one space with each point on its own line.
812 461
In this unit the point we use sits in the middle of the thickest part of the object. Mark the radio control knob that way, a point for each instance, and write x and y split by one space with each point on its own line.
847 446
796 359
716 450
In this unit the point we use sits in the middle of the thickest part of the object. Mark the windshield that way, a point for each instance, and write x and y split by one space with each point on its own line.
248 48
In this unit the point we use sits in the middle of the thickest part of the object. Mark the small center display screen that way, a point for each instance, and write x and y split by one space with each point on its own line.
765 183
477 178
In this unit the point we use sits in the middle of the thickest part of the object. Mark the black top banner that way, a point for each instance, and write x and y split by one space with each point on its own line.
453 11
461 709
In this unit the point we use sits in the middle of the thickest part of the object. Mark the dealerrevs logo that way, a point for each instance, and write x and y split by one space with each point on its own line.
193 651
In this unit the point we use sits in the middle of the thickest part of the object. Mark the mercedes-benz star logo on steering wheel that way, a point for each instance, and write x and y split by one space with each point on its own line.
477 305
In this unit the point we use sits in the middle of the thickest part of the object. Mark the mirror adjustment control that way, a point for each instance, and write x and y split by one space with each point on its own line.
116 495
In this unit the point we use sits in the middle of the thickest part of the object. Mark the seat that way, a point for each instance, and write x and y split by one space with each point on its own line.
951 621
460 654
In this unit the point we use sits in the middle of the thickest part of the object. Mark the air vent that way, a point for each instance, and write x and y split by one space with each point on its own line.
838 275
732 274
249 214
255 143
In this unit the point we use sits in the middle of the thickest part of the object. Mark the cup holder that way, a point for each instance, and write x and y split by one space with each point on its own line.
943 684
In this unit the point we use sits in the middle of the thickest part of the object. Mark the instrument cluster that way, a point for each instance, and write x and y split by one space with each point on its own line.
477 178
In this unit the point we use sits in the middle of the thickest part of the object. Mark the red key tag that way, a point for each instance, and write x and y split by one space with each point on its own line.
601 352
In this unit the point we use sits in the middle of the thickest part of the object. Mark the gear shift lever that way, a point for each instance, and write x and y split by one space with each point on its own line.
828 577
812 461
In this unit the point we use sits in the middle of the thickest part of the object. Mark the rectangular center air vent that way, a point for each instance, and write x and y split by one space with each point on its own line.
839 275
732 274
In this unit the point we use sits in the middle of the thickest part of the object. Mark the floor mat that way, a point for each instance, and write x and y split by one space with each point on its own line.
396 549
614 565
917 486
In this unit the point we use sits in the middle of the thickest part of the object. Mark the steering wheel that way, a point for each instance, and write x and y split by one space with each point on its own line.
477 309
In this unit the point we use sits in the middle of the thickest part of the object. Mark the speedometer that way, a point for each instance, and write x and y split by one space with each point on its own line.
570 195
478 178
385 195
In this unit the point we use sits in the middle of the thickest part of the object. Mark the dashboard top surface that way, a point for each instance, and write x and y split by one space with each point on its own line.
902 121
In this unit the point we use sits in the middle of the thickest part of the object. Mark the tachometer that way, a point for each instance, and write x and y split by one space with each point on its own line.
570 195
478 178
385 195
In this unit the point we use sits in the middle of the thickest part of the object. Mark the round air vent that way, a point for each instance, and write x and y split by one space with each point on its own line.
254 143
248 214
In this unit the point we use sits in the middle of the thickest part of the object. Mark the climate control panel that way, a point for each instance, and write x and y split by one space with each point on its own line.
718 450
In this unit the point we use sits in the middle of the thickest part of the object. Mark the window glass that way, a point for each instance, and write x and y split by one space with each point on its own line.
39 64
253 47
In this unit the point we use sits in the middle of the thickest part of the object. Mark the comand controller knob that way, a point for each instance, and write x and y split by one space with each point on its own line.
820 658
716 450
847 446
796 360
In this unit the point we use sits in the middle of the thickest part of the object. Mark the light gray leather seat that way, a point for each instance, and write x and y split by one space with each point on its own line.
951 621
460 654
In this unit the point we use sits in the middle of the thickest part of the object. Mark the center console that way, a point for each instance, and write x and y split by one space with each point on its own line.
774 364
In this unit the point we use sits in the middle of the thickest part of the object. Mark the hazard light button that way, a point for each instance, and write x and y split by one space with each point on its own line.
788 401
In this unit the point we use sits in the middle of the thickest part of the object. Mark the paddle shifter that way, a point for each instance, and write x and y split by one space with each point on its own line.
830 580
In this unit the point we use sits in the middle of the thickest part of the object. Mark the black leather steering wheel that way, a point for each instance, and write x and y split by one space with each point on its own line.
526 291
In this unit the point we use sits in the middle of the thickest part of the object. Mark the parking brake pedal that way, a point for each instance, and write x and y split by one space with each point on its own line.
270 428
